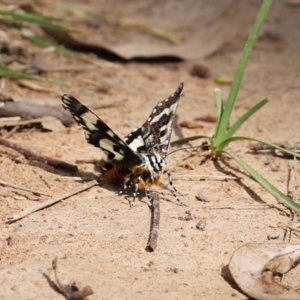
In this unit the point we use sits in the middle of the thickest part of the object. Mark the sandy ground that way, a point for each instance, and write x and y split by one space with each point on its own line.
98 240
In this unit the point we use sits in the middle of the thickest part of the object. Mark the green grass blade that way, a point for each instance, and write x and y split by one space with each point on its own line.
219 102
41 20
13 74
236 138
281 197
61 49
219 135
220 107
241 120
189 139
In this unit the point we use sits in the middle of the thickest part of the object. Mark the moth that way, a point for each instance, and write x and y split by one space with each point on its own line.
139 160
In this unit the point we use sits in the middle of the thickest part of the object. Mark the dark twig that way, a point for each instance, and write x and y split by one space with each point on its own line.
31 155
155 218
88 161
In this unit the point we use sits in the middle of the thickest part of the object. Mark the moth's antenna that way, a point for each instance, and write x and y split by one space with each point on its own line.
186 148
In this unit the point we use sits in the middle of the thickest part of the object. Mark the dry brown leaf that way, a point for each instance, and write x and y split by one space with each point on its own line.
163 34
71 292
210 118
53 124
190 124
32 85
209 37
254 265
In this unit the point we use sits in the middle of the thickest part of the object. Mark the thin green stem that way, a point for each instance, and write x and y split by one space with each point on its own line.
281 197
240 71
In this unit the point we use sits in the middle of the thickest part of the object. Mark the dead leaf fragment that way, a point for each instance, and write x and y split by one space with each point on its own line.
254 265
71 292
32 85
163 34
187 165
200 71
190 124
196 44
210 118
53 124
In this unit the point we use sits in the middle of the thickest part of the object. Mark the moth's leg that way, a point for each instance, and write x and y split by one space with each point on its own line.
136 191
127 184
171 187
149 195
170 180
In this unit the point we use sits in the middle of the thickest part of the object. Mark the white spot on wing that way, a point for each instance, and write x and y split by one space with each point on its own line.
167 111
107 146
110 133
90 120
136 143
163 128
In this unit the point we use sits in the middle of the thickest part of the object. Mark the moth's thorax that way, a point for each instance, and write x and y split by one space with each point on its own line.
154 162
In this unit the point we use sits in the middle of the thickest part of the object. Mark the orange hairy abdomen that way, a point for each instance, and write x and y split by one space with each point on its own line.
122 172
118 173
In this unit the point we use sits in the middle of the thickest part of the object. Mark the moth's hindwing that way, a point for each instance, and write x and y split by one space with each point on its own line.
98 133
155 133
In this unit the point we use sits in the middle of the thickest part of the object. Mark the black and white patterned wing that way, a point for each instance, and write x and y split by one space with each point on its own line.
98 133
155 133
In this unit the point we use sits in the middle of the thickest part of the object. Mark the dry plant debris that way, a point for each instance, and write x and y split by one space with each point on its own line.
289 146
15 186
209 118
10 108
175 47
51 201
254 265
155 219
32 155
190 124
70 291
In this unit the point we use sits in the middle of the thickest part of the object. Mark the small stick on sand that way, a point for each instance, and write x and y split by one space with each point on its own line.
51 201
15 186
155 218
31 155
